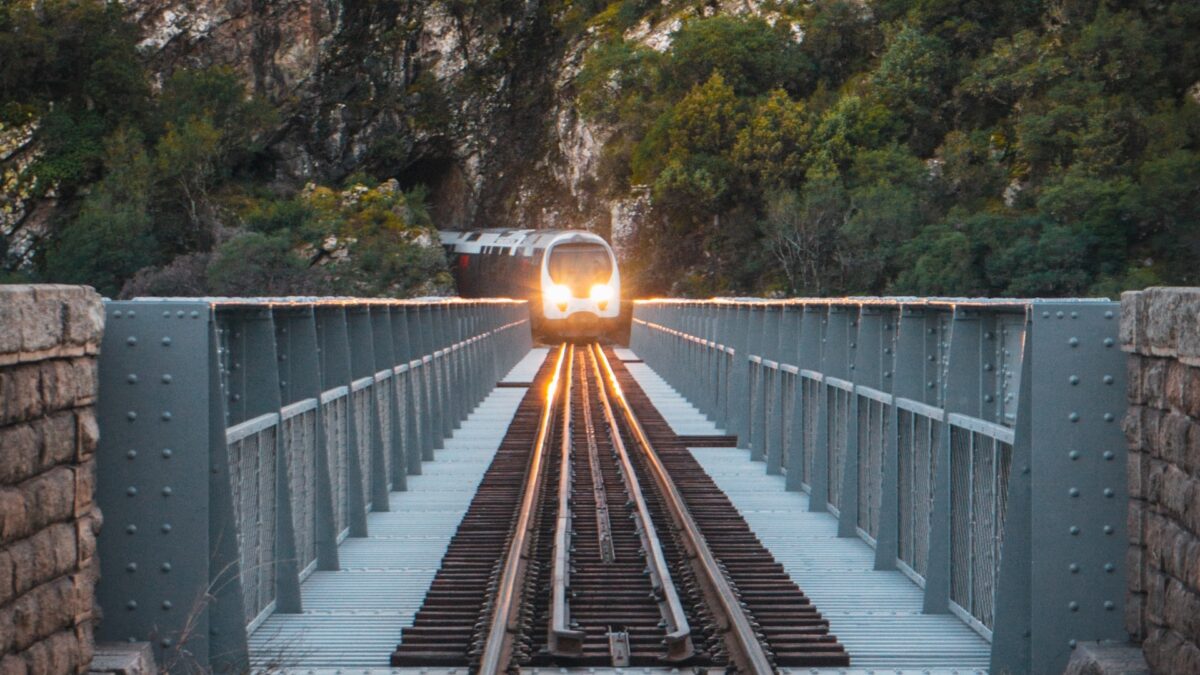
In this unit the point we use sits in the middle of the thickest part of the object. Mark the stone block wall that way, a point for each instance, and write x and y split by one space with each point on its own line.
49 339
1160 328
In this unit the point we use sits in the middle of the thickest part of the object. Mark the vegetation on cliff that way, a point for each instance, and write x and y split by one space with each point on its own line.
163 189
1007 147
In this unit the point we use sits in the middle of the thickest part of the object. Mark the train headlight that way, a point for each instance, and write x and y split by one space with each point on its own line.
559 295
602 293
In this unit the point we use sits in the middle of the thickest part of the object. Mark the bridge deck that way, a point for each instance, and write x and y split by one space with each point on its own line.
353 617
876 614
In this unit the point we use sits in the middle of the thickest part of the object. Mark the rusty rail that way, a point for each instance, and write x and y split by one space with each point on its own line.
502 629
562 639
744 647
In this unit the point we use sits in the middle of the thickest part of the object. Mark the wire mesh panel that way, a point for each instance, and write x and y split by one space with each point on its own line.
872 435
839 429
252 464
811 391
361 404
979 466
335 411
383 406
299 436
788 386
918 440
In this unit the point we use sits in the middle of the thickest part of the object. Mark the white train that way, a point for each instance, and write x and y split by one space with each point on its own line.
569 277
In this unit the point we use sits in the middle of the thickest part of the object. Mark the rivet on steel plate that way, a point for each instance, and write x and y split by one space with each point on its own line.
1074 492
1108 417
131 340
1108 342
131 415
1110 568
166 528
131 567
1073 606
131 605
1074 417
1108 455
1108 379
1074 379
166 568
1108 492
166 416
1110 605
1074 342
1108 529
132 378
1074 568
1074 530
132 454
131 491
166 453
1074 454
166 491
167 379
131 529
166 605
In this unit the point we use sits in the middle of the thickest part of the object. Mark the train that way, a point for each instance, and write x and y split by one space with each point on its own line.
569 277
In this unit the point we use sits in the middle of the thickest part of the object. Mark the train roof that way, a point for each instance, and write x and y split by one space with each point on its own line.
474 241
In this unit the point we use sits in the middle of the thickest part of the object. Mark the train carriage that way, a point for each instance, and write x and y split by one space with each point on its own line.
569 277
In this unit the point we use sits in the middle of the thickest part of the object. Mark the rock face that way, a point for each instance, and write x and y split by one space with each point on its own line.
49 337
1160 327
470 99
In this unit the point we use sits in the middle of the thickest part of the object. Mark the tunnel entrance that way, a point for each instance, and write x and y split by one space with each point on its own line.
450 194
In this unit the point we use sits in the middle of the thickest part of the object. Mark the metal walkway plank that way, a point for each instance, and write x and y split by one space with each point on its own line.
353 617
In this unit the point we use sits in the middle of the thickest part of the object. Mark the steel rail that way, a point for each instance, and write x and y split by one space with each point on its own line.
679 632
502 627
747 652
561 639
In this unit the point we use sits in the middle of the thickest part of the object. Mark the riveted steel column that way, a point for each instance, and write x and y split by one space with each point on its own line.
254 375
792 407
385 404
161 358
363 418
402 422
773 381
428 414
844 322
300 385
1079 532
883 351
960 343
333 333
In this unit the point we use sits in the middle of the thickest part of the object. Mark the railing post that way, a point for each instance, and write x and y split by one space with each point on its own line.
959 373
845 322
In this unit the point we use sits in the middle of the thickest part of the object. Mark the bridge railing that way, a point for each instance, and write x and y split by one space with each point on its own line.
242 440
955 437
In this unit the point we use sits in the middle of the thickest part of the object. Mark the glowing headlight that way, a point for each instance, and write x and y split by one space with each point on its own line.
602 293
558 294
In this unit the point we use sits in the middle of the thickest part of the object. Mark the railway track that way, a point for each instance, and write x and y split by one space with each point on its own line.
596 540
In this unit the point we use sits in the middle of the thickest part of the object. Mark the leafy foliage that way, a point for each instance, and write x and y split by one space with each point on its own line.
159 191
964 147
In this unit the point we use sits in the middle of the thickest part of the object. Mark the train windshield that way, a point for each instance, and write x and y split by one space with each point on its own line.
578 266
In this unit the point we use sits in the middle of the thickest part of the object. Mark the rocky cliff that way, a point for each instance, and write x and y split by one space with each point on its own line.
470 99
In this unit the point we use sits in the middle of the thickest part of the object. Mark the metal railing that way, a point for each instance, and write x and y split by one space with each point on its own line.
953 436
242 440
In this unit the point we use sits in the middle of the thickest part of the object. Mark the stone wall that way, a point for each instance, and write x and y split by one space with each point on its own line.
49 338
1160 328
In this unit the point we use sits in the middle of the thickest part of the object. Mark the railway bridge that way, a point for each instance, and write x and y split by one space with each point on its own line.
837 485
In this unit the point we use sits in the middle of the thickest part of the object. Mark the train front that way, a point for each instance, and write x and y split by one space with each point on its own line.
581 286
